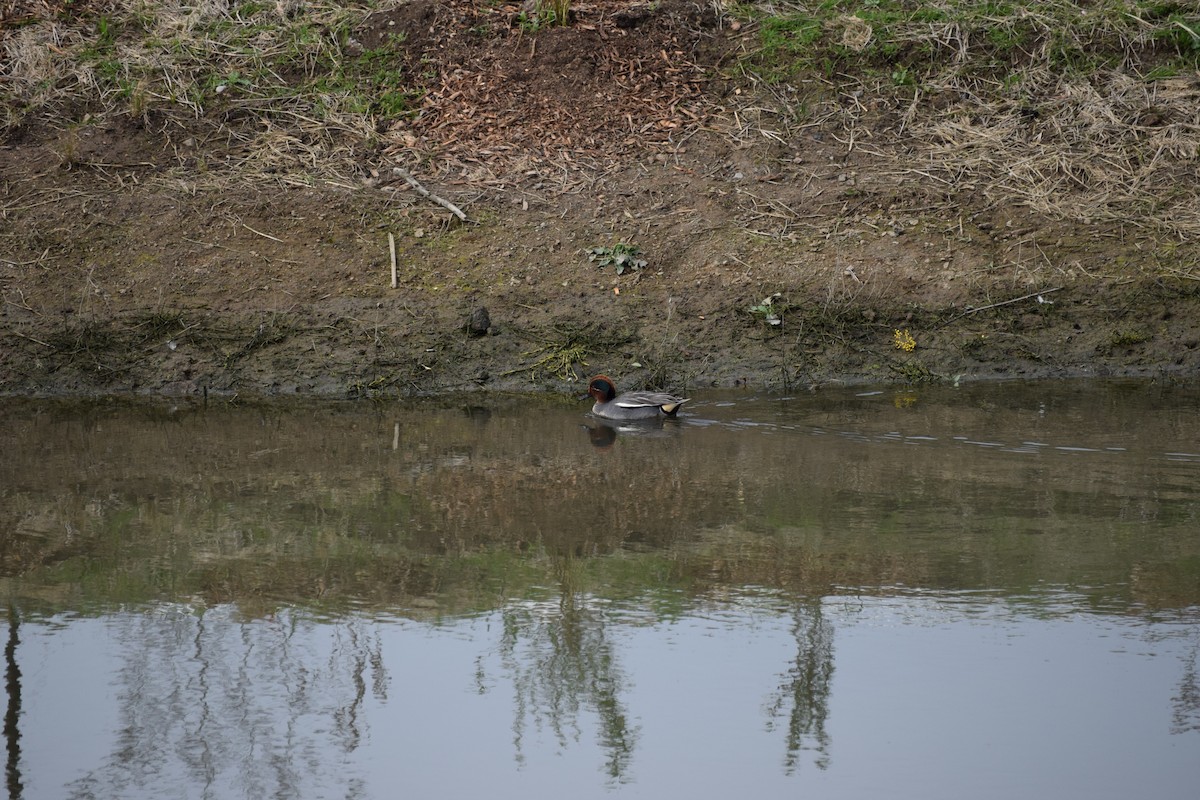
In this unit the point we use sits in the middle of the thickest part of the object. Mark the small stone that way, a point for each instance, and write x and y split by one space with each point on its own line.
479 322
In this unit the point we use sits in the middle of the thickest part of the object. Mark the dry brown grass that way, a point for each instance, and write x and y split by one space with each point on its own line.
33 69
1111 148
1085 112
977 102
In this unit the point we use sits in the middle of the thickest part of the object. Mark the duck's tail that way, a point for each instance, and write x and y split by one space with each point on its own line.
671 409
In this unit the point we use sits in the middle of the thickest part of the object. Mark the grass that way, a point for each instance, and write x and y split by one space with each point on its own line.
296 88
788 45
544 14
863 38
561 349
1078 110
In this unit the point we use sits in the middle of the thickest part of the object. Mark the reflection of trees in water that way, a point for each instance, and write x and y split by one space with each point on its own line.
561 662
242 708
1186 716
804 689
12 714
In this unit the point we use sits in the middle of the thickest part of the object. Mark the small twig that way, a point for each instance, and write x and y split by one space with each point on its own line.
1181 274
25 263
970 311
157 345
39 341
23 304
392 249
421 190
260 233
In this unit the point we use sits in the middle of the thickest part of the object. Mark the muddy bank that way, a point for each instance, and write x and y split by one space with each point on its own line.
210 321
786 233
268 291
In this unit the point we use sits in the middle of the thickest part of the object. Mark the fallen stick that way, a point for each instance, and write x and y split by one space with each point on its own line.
264 235
39 341
970 311
392 248
421 190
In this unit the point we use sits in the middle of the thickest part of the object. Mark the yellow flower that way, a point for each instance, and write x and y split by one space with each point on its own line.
904 340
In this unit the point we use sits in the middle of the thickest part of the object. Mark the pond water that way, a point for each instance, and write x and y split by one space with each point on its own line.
985 592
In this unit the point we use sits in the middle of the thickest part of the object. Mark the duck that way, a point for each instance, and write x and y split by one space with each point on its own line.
631 405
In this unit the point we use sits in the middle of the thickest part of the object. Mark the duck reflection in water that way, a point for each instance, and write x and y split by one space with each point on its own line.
603 433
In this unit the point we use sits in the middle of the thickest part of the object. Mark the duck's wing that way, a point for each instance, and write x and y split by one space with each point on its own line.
667 402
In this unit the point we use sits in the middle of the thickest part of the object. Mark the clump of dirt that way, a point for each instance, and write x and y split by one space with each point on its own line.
793 234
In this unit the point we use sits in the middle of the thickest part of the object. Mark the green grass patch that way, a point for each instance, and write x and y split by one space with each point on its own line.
907 44
276 66
788 44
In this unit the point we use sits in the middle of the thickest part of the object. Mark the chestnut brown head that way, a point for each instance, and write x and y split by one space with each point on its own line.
602 389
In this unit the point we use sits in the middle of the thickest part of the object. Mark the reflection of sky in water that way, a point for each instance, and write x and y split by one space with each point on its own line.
925 696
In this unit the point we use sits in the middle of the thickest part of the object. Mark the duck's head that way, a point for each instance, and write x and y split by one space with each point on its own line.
602 389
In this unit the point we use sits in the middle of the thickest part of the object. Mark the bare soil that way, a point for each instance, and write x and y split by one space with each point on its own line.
135 258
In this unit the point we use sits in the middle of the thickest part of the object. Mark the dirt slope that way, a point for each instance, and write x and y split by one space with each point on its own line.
155 248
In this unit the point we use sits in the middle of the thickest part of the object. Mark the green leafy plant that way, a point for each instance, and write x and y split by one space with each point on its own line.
529 23
770 310
625 257
545 13
234 79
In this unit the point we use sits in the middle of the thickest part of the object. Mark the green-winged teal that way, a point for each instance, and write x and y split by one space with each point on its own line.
631 405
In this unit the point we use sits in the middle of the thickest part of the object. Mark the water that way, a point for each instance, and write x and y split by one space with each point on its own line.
991 591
